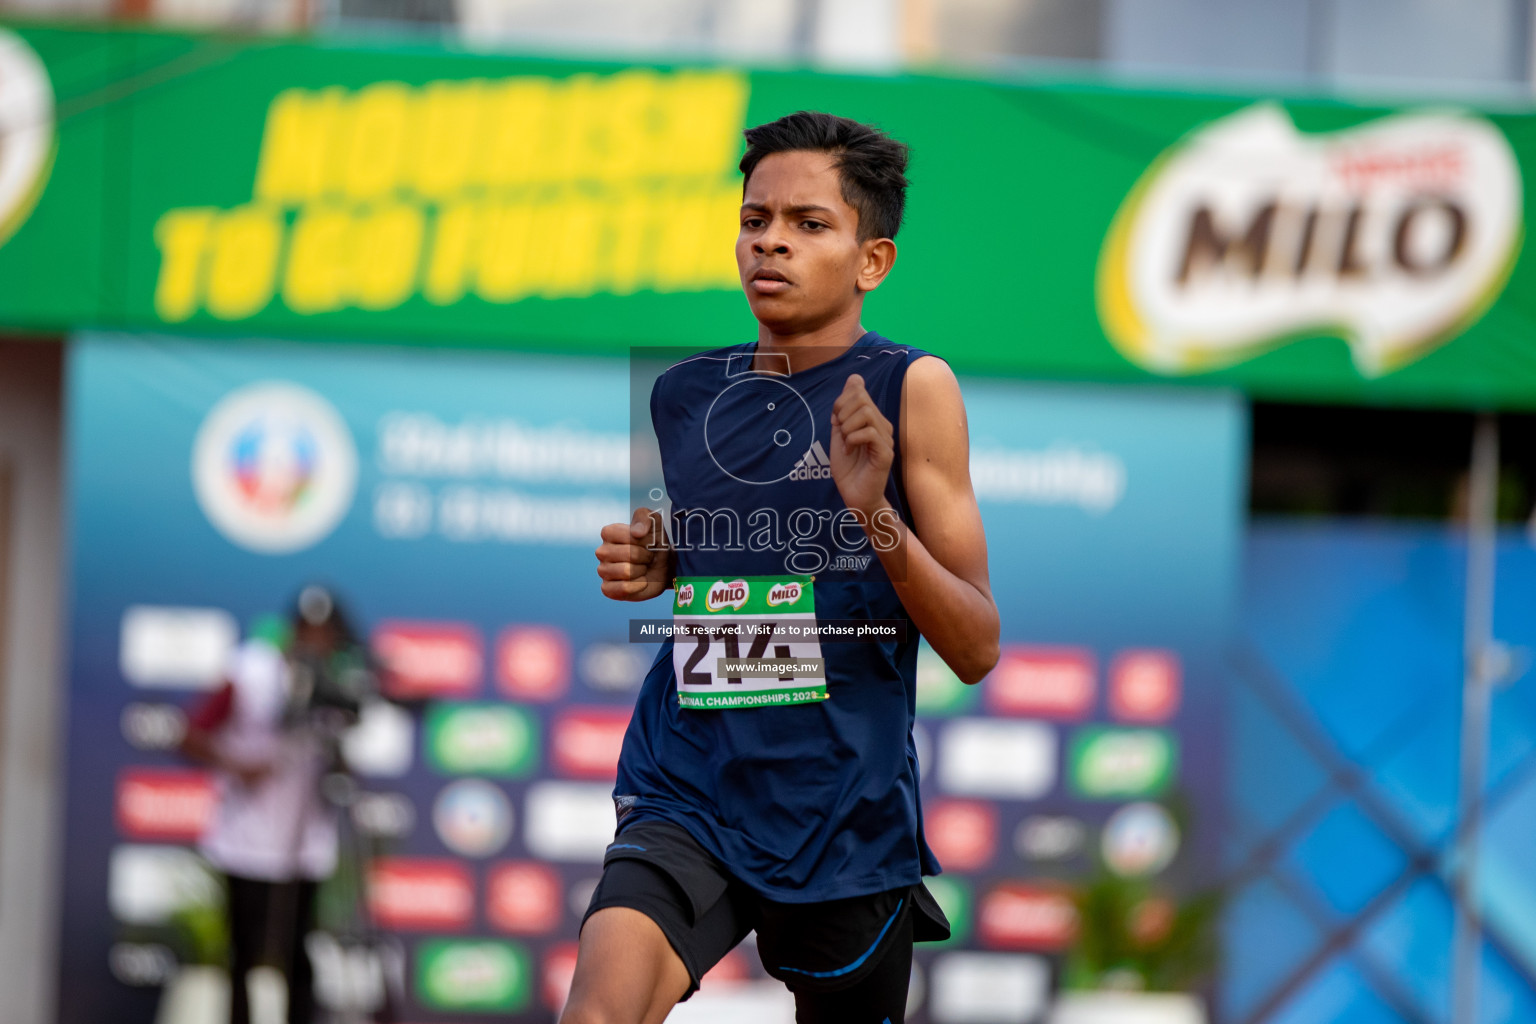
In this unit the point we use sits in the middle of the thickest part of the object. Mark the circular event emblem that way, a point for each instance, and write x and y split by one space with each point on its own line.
473 818
26 131
274 467
1140 839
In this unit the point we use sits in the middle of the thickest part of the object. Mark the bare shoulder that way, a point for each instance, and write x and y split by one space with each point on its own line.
932 411
930 377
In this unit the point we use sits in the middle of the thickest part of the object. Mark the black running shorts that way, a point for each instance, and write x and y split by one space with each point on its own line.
815 948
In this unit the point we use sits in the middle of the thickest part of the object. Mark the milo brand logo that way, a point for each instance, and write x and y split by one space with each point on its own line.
1394 236
724 595
26 131
685 595
784 593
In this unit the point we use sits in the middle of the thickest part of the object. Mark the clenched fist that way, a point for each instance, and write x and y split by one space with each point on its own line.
863 448
635 560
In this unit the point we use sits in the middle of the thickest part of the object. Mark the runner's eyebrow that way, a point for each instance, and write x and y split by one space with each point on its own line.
803 208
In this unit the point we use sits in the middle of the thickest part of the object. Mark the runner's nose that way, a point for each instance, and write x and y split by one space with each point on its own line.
770 242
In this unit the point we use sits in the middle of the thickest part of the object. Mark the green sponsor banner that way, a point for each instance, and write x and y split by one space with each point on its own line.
481 739
1112 763
485 976
1302 249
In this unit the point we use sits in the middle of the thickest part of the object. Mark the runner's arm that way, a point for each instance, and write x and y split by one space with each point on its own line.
200 744
939 568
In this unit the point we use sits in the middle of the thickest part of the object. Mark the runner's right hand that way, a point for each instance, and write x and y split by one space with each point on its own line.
634 559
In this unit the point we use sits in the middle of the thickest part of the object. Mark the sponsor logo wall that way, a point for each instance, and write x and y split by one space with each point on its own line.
452 499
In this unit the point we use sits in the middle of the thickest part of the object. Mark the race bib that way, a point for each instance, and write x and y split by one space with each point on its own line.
747 642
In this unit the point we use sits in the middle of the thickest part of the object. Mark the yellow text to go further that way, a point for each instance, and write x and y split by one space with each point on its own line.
326 257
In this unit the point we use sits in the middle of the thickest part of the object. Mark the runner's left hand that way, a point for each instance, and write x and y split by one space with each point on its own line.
863 448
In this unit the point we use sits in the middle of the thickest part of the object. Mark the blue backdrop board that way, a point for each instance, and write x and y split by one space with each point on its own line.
452 499
1345 714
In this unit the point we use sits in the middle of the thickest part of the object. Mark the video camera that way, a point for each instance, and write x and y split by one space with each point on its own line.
333 678
341 682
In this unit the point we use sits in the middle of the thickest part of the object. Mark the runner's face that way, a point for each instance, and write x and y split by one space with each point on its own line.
798 252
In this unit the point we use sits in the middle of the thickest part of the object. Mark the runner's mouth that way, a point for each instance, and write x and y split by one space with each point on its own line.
769 282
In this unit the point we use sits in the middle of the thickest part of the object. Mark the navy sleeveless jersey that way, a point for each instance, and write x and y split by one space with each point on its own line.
804 802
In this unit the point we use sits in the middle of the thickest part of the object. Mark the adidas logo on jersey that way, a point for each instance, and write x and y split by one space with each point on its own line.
813 465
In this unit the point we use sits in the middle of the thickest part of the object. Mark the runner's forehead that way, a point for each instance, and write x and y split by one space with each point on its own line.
796 182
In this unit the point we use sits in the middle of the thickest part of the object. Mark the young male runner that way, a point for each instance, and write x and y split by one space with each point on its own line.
818 474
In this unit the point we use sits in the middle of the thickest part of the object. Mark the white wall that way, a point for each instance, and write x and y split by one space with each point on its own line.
1417 44
31 682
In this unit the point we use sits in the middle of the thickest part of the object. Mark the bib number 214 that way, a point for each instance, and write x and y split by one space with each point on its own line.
746 642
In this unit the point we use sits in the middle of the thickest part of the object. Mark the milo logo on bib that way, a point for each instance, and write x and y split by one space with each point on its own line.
685 595
724 595
784 593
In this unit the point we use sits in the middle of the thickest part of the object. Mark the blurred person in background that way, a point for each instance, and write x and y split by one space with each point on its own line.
269 734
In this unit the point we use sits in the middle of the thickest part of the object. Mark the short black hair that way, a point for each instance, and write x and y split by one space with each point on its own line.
871 165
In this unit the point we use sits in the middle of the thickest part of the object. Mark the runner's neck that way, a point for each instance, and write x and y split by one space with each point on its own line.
805 351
